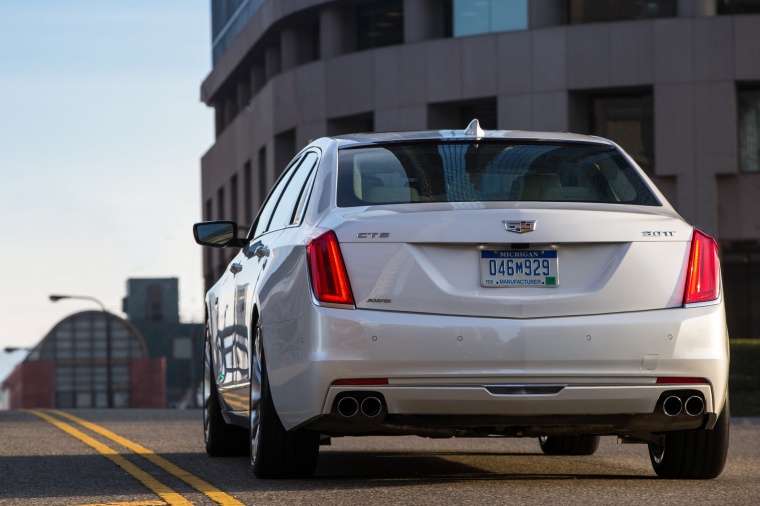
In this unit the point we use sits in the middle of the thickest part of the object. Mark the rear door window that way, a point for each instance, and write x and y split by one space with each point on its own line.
283 214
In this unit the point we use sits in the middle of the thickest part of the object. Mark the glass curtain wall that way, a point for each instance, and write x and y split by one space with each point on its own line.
78 347
473 17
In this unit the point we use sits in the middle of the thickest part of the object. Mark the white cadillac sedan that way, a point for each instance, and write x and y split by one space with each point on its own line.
466 283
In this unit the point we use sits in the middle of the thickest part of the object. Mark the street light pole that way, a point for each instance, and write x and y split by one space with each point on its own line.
109 377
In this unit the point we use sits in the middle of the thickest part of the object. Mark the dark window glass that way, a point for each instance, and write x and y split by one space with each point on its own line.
228 18
234 198
155 305
263 186
749 130
265 215
283 215
457 115
380 24
592 11
488 172
738 7
220 211
472 17
629 121
248 192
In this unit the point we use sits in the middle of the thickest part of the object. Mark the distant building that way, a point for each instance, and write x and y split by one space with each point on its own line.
152 306
69 367
675 82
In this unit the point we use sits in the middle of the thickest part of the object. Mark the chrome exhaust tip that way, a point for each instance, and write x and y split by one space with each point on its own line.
694 405
348 407
371 407
672 405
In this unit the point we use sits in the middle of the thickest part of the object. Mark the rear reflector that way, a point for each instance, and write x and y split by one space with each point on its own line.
329 279
360 382
703 278
682 381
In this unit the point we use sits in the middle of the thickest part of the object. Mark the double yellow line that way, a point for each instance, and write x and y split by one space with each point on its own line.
168 495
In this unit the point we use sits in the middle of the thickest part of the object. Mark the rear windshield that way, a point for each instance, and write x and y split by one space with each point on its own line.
488 172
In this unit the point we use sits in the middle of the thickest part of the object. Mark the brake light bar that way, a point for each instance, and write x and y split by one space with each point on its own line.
682 381
703 278
360 382
329 280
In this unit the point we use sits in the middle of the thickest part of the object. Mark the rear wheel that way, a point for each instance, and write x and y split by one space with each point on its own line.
584 444
222 440
275 452
693 454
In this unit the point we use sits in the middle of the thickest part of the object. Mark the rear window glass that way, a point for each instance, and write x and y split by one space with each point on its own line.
488 172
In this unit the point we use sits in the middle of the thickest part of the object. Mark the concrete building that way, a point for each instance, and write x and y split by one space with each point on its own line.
152 306
675 82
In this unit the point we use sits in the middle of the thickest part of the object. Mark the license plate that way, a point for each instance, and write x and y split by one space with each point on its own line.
518 268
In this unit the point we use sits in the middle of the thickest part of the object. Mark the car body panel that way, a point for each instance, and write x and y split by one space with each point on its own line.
425 351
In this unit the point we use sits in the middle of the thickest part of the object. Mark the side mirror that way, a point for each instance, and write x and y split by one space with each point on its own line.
217 234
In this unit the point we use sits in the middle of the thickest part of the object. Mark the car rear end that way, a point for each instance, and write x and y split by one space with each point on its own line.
509 284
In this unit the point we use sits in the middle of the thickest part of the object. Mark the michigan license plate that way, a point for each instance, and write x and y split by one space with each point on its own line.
519 268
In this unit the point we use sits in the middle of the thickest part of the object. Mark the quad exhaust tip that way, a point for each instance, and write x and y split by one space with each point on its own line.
672 405
371 407
694 405
348 407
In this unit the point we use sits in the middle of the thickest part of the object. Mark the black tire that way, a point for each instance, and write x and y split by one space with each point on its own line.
698 454
222 439
585 444
275 452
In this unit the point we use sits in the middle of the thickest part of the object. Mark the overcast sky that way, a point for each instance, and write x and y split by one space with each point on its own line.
101 133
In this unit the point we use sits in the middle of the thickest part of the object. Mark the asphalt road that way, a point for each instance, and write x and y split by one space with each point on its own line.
40 464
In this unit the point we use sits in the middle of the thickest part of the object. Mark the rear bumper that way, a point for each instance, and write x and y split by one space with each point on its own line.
441 367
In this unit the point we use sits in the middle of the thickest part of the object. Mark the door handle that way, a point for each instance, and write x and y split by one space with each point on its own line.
236 267
261 251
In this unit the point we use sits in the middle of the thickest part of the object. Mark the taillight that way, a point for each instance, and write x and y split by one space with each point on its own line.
703 278
329 279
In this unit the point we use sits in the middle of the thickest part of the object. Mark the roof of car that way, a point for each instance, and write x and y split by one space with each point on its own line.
358 139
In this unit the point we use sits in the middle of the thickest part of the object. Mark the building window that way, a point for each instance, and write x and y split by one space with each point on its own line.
472 17
284 150
248 192
457 115
263 186
234 198
629 121
220 213
749 129
731 7
594 11
740 267
351 124
228 18
380 24
155 305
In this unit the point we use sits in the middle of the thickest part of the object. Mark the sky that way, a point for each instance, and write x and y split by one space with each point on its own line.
101 135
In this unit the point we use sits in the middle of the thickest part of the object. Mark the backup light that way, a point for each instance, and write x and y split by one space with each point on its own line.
329 280
703 279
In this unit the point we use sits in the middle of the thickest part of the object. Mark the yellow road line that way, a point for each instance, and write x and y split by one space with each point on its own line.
136 503
198 484
161 490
